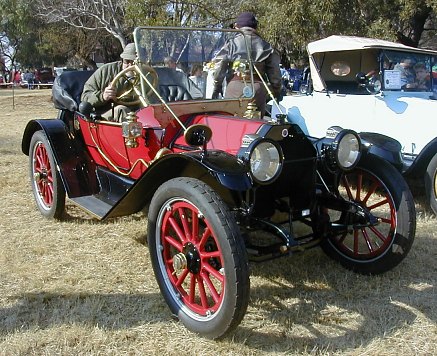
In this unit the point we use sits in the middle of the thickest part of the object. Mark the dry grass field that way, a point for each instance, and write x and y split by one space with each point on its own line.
84 287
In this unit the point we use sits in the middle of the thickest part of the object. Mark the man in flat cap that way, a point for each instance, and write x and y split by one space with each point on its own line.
232 59
98 90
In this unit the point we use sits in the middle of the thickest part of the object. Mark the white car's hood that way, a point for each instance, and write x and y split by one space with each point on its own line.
405 117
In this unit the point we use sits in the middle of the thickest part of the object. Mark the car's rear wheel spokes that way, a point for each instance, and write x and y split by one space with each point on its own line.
192 258
47 186
43 175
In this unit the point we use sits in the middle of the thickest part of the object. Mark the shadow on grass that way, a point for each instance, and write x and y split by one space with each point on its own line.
299 303
312 303
108 311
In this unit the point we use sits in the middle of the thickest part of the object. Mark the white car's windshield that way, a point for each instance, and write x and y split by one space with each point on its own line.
407 71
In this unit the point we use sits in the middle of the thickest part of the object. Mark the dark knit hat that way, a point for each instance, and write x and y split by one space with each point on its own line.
129 52
247 19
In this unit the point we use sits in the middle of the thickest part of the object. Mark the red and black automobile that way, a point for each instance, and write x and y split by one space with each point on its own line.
222 186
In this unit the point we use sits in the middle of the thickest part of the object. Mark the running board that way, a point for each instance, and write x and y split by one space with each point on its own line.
93 205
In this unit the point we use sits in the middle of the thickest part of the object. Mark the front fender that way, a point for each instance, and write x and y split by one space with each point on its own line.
76 169
220 170
384 147
224 167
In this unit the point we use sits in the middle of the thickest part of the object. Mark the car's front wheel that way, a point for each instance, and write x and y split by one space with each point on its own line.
431 184
198 257
380 190
47 186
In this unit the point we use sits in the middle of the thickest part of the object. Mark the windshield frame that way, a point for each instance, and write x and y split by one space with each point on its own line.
160 40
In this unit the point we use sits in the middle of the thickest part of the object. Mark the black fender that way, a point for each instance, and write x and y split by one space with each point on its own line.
418 167
76 169
384 147
222 171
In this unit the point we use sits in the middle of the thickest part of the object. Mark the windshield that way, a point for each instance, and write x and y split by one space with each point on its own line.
408 71
186 59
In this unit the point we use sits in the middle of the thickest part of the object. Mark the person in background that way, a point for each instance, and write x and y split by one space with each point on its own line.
197 77
99 92
17 78
170 62
405 67
264 57
285 77
29 78
422 81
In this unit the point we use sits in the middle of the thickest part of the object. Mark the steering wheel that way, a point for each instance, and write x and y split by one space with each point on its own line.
131 77
369 81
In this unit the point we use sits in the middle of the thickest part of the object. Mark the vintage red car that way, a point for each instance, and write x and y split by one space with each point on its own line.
222 186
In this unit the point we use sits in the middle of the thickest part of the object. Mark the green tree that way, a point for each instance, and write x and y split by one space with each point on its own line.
22 36
193 13
76 47
16 29
90 15
289 26
293 24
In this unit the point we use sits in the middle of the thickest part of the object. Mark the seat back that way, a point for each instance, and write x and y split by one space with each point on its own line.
67 89
175 85
174 93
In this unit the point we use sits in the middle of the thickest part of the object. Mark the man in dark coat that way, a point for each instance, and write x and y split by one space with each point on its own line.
232 59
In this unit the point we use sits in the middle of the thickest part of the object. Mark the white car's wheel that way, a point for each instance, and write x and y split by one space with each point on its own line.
431 184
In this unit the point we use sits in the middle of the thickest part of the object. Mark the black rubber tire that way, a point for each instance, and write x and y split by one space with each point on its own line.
431 184
47 187
379 249
192 201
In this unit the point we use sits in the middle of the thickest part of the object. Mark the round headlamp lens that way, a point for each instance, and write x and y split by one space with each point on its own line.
265 161
348 151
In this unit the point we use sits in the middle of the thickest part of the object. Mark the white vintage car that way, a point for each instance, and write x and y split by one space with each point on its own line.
382 90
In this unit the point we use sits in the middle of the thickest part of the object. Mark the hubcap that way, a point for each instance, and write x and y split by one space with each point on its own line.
192 258
189 258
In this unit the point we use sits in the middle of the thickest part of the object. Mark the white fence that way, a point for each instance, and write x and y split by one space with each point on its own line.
25 85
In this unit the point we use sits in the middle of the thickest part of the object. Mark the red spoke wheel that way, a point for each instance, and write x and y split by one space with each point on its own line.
47 187
380 190
198 257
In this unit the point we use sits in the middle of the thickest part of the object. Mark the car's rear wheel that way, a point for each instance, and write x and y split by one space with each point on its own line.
198 257
47 186
431 184
379 189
